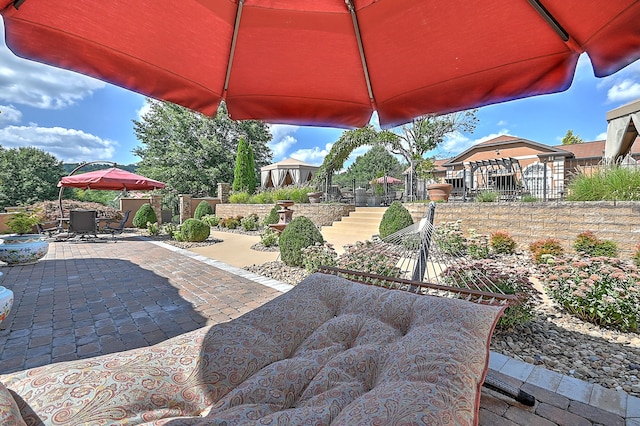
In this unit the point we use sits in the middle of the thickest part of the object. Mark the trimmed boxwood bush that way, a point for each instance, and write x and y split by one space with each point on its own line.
194 230
144 215
272 217
396 217
299 234
203 208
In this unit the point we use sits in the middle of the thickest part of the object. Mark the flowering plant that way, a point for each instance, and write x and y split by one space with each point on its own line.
477 245
449 238
489 275
380 259
601 290
318 255
543 250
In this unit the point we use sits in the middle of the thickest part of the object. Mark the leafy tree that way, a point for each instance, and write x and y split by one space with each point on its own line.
244 176
372 164
571 139
192 153
412 140
28 175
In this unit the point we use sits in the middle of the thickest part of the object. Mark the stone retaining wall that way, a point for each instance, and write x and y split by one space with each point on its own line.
320 214
528 222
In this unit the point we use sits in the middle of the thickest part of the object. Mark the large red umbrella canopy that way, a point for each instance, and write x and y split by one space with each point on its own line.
390 180
328 62
114 179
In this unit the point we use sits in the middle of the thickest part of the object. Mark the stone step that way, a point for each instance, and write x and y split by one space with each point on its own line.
360 225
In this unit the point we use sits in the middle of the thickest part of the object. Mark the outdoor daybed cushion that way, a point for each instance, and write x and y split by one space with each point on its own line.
330 351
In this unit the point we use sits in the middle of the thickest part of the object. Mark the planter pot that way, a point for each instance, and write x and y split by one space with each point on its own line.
22 249
314 197
439 191
6 301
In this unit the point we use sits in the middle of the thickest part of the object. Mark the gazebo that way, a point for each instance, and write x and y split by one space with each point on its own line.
286 172
622 130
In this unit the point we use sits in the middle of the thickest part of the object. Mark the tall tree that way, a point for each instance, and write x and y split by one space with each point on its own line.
28 175
244 176
374 163
192 153
571 139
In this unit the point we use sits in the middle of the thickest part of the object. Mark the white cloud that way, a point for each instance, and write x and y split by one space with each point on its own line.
456 143
67 145
9 114
282 140
144 109
601 137
313 155
626 90
38 85
502 123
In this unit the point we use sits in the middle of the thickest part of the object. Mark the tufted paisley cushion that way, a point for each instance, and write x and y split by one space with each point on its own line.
330 351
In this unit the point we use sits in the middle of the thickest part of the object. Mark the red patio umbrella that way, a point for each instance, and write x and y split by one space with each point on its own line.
328 62
390 180
114 179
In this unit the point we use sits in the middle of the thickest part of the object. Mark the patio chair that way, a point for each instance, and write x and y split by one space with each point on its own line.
50 228
116 229
83 223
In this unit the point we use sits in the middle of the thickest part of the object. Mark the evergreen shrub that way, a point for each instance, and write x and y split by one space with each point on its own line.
592 246
194 230
543 249
202 209
299 234
502 243
144 215
395 218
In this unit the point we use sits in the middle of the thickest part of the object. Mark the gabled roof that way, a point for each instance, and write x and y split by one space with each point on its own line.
504 140
593 149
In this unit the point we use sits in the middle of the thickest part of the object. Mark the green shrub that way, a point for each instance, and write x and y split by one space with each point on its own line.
318 255
449 238
269 237
265 197
300 233
636 255
543 249
272 217
239 198
601 290
250 223
528 198
230 222
477 245
592 246
170 229
395 218
502 243
210 219
202 209
617 183
487 196
194 230
486 275
362 257
153 228
144 214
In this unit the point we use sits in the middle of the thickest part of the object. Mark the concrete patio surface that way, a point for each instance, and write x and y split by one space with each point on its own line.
89 299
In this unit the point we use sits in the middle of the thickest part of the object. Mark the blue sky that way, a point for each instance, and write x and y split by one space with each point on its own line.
77 118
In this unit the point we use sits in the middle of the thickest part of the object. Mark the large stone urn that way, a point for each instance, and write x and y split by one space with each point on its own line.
22 249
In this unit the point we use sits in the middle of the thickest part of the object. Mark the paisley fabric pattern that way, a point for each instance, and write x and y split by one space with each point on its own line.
330 351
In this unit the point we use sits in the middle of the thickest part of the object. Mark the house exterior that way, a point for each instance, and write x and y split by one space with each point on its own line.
515 166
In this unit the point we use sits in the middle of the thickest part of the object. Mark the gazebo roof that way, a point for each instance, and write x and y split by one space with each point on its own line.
289 163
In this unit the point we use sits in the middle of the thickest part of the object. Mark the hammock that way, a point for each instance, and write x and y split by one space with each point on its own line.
426 260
